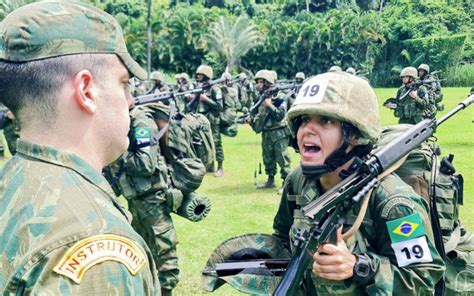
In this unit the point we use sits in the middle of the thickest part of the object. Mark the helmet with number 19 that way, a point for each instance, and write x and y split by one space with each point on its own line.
344 97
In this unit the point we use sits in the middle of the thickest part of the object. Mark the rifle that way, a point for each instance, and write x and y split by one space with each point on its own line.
197 92
266 266
415 85
328 210
272 90
162 96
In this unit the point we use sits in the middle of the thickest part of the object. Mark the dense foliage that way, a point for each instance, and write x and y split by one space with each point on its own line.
378 38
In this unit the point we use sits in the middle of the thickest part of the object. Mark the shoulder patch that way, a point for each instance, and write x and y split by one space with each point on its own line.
395 202
99 248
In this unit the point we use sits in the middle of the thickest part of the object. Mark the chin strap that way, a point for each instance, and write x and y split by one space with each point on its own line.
338 157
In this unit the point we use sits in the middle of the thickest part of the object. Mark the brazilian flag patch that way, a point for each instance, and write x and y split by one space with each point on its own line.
142 133
406 228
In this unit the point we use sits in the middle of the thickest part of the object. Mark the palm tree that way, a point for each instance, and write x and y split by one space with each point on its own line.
232 41
7 6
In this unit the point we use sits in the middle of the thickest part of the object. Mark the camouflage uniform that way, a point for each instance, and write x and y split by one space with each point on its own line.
145 184
75 207
412 110
392 199
62 230
434 87
275 137
212 109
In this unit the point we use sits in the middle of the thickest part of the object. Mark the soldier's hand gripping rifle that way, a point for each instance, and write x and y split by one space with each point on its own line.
266 94
192 105
328 210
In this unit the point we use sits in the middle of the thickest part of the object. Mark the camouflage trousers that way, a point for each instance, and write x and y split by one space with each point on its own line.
216 134
410 120
275 150
152 220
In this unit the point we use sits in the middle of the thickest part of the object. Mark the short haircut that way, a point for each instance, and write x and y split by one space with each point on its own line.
30 89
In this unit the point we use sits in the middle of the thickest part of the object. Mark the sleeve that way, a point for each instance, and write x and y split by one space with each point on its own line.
278 108
84 276
215 100
422 99
284 216
142 162
389 275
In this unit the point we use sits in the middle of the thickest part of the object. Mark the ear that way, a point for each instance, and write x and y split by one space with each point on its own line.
85 91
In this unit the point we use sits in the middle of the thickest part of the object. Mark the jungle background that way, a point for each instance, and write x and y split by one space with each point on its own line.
376 37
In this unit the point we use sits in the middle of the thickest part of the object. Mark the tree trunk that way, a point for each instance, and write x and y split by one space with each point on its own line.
149 36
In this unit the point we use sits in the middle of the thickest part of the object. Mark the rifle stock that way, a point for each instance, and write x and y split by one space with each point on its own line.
328 210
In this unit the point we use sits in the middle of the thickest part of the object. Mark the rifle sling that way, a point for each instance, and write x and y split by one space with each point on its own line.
365 202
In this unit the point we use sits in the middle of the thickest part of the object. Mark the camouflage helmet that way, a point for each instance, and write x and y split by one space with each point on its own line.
335 69
177 76
300 75
342 96
351 70
244 247
266 75
205 70
226 75
50 29
242 76
424 67
275 74
185 76
409 71
157 75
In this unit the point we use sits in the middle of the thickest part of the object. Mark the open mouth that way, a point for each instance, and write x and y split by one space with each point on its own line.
310 149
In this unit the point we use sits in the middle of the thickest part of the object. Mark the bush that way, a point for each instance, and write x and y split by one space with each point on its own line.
462 75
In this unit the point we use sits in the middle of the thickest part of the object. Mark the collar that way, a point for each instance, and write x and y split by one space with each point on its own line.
64 159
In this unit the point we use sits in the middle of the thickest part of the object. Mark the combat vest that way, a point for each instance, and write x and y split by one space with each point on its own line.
409 108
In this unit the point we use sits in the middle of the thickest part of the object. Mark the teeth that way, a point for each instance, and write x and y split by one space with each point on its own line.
309 145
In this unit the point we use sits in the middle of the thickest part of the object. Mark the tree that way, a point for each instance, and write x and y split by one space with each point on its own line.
232 41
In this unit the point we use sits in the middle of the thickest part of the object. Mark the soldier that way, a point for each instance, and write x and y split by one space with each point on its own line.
64 73
158 81
249 90
299 78
211 105
412 101
142 176
433 85
351 70
333 125
270 120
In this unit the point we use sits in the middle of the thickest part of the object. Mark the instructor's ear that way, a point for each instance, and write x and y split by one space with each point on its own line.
85 91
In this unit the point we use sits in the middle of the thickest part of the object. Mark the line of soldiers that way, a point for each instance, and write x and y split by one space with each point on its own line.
419 97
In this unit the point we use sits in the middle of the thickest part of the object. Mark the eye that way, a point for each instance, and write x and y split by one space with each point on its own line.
304 119
327 120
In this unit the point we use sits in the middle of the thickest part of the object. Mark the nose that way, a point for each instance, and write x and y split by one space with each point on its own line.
130 101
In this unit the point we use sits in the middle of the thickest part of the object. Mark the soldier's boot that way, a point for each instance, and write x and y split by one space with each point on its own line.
220 170
166 292
270 183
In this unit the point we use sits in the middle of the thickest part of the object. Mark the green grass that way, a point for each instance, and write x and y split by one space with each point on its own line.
237 208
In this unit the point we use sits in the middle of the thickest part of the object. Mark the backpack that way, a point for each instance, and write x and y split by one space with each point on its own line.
197 135
428 177
227 124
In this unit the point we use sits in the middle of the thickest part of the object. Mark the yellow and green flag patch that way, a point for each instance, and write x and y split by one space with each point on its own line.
142 132
406 228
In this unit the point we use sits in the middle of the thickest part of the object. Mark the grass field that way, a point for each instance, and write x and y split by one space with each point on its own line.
237 208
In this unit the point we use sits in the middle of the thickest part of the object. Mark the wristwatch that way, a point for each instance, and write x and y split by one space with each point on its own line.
361 268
